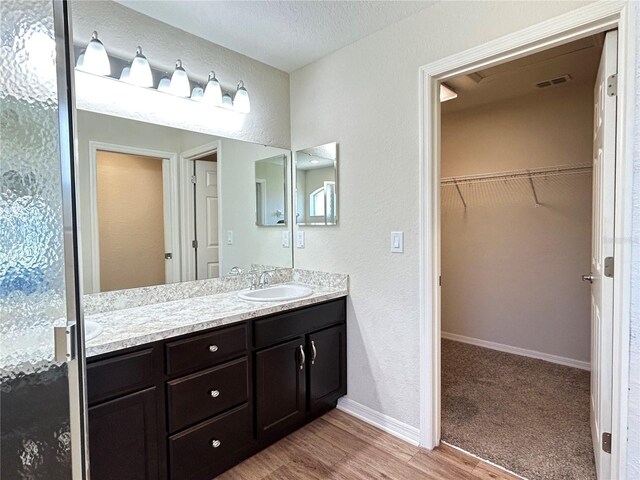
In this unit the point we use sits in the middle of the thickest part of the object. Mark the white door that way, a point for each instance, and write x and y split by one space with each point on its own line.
602 247
206 213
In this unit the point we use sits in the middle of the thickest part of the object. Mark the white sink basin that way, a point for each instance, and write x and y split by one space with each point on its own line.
91 330
277 293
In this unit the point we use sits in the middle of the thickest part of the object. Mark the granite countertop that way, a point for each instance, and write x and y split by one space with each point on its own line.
159 321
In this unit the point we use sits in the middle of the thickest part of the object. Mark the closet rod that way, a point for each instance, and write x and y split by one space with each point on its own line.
534 172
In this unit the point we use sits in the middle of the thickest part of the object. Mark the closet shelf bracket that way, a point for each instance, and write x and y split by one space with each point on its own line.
533 190
460 193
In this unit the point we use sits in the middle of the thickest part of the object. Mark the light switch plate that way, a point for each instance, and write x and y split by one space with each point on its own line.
299 239
285 239
230 237
397 242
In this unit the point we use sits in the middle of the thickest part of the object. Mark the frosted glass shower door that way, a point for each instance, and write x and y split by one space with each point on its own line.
40 393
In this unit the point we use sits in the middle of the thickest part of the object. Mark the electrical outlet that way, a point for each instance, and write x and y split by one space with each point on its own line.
285 239
299 239
230 237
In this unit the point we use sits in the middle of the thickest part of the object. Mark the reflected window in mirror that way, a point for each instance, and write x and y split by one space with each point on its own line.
271 191
316 194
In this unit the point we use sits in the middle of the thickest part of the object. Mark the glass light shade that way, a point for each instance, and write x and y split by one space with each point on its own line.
446 93
241 100
180 82
80 61
213 92
197 94
95 58
126 74
227 102
140 73
165 84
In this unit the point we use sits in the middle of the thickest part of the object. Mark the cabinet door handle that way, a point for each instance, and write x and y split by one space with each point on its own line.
216 443
213 348
315 352
214 393
303 358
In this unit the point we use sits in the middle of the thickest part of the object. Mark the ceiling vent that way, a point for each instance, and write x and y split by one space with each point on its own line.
553 81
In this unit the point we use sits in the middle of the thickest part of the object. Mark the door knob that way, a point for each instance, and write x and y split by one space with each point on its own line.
587 278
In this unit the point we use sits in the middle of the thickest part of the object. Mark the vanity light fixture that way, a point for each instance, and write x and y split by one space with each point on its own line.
180 86
227 101
241 100
165 84
213 92
446 93
140 72
314 161
95 59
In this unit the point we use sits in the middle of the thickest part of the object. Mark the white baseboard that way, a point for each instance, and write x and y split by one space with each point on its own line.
569 362
383 422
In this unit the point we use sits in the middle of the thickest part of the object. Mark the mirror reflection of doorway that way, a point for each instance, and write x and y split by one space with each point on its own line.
132 220
205 171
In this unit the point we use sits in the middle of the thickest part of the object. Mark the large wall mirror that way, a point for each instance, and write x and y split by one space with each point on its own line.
161 205
271 190
316 185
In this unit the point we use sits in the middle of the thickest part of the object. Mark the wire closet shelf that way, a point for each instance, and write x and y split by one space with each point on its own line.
529 174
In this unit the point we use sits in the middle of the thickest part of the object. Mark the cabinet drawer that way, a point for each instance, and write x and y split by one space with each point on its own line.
206 350
297 323
119 375
198 452
204 394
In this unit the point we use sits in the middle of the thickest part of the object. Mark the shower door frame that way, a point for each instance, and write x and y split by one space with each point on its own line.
592 19
76 361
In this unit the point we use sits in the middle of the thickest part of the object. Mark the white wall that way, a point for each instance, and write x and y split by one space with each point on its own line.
365 97
510 270
122 29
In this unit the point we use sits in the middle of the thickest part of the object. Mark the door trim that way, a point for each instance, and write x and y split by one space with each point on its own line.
187 207
171 207
589 20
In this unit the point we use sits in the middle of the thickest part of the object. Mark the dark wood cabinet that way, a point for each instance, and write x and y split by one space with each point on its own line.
123 438
191 407
280 388
327 367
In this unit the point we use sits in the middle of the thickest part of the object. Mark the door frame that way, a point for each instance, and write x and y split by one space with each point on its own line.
187 206
170 183
589 20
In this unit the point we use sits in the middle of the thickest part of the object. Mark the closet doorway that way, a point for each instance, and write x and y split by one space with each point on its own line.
608 361
526 196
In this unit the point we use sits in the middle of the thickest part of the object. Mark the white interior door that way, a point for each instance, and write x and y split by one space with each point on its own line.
206 213
602 247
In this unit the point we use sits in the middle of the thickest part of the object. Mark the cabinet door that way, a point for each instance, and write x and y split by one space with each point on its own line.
327 367
123 440
280 388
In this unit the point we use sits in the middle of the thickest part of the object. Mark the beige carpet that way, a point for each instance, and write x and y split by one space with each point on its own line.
526 415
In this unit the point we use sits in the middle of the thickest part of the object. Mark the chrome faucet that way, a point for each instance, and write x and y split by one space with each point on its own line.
235 271
265 280
261 281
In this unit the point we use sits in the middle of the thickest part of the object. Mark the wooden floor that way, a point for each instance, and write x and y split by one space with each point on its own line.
339 446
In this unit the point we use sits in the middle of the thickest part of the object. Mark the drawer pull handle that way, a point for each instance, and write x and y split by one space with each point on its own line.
302 357
213 348
214 393
216 443
315 352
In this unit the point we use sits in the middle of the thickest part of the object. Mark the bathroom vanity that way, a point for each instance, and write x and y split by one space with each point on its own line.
190 406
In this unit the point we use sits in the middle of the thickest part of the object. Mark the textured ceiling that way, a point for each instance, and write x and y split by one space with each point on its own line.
284 34
579 59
